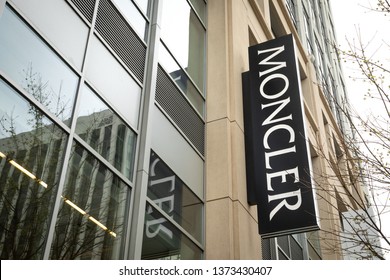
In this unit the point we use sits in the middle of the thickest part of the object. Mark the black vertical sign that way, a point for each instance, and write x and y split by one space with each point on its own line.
277 157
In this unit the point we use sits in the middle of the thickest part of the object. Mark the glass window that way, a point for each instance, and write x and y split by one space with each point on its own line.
144 5
295 249
31 156
184 36
105 72
162 240
181 79
200 8
174 197
104 131
91 220
60 24
34 66
132 14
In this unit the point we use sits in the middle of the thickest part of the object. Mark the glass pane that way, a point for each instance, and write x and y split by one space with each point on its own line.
60 24
104 131
181 79
284 244
34 66
184 36
91 220
174 197
133 16
281 255
200 8
296 250
31 156
164 241
105 72
144 5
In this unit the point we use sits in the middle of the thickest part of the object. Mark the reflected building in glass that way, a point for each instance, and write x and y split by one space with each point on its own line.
109 148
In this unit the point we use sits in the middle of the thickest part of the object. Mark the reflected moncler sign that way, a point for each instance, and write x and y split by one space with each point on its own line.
277 157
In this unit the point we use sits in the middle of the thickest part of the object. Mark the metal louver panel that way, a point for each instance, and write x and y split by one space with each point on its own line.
179 110
86 7
121 38
266 249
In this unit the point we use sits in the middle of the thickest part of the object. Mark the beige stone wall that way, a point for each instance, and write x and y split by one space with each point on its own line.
231 224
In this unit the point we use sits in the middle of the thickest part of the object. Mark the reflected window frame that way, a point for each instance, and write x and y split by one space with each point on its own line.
173 196
32 76
135 25
161 235
103 147
28 171
191 91
199 76
82 214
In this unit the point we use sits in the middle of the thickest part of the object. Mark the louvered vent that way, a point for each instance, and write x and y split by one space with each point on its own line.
86 7
266 249
178 108
121 38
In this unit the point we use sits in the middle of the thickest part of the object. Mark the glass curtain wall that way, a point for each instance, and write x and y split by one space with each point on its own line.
70 96
71 90
174 213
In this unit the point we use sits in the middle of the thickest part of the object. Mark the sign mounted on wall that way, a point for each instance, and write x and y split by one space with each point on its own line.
277 153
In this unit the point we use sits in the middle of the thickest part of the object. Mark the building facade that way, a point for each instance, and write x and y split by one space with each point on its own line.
122 131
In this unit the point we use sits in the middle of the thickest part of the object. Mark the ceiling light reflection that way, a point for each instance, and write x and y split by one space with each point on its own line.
67 201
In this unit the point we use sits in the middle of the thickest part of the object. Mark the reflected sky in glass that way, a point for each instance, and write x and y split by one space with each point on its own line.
143 4
132 14
184 36
16 114
32 149
181 79
105 132
35 67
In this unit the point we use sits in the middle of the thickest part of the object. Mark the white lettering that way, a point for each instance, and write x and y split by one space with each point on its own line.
160 227
154 227
284 202
283 174
170 179
266 61
168 200
284 196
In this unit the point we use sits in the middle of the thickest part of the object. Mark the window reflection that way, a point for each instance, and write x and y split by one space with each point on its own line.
162 240
31 156
144 5
34 66
60 24
181 79
92 225
174 197
120 89
105 132
184 36
200 8
132 14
